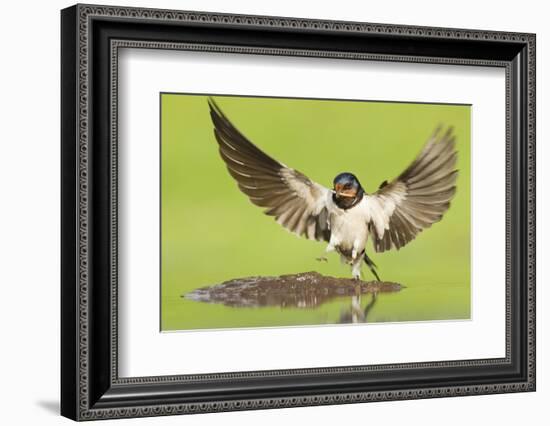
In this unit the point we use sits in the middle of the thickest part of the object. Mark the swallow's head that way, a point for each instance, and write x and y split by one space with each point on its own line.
346 185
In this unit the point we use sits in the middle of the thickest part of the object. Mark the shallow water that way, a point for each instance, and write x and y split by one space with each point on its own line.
414 303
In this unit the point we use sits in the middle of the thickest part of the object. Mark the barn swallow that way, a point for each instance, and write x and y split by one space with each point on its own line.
345 216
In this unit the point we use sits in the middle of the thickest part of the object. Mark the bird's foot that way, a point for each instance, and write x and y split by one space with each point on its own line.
321 259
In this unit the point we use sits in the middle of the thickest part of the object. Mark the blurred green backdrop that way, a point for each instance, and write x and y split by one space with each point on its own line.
212 233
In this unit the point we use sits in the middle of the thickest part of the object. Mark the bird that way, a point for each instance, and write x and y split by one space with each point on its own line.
344 216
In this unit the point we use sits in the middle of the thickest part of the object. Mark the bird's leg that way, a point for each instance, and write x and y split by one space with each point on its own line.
354 252
356 269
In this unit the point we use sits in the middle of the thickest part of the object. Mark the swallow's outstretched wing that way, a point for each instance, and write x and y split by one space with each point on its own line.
419 197
296 202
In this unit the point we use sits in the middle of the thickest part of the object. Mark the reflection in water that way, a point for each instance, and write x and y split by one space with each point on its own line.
306 290
356 314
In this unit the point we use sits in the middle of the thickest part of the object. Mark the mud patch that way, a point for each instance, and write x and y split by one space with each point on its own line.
304 290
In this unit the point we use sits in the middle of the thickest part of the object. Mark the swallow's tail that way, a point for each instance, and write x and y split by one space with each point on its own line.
372 266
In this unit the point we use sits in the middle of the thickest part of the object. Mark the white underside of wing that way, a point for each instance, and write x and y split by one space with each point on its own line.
379 208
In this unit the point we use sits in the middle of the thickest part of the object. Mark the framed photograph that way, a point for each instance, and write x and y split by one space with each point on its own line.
263 212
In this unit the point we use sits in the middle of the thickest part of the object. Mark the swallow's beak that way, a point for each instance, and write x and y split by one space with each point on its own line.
345 194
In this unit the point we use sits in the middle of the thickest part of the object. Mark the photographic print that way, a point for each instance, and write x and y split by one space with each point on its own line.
297 212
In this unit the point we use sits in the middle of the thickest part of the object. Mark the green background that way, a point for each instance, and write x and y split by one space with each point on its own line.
212 233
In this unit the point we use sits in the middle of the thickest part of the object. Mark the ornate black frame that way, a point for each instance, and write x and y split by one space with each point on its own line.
91 37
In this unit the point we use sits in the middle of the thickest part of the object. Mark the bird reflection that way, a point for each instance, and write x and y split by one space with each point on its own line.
356 313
